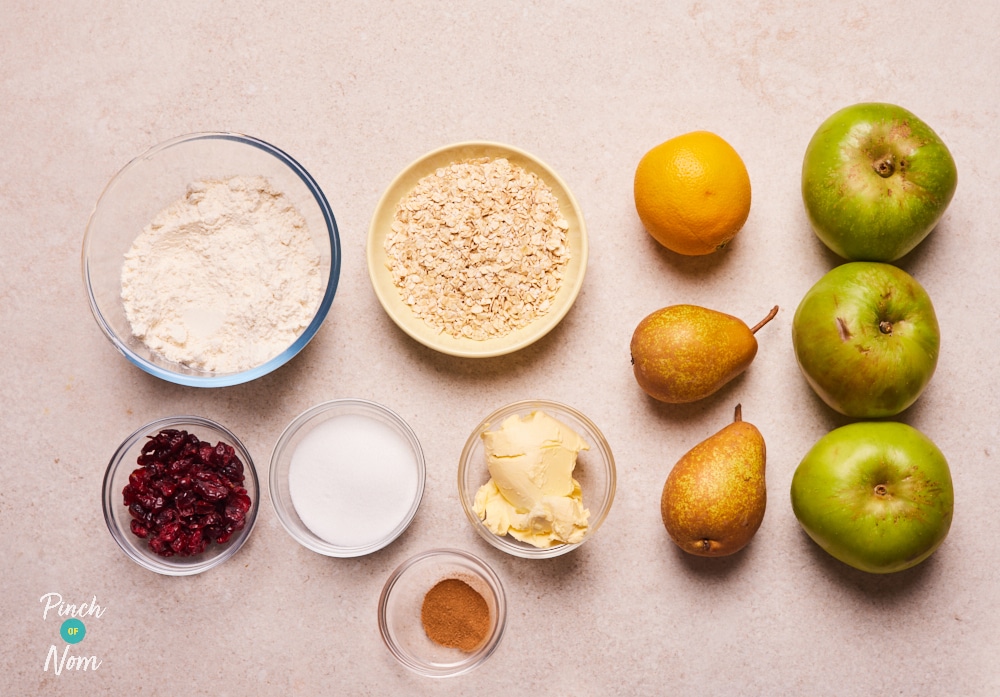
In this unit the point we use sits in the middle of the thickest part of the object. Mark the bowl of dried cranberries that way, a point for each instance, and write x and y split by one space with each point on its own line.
181 495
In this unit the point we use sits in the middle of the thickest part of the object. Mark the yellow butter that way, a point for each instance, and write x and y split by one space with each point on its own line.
532 495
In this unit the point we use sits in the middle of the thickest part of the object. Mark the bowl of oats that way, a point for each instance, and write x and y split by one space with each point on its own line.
477 249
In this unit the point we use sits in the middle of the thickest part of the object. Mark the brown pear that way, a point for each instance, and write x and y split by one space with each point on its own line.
683 353
714 498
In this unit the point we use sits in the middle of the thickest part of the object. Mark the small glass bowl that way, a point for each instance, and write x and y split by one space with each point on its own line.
117 516
158 178
595 470
400 603
281 461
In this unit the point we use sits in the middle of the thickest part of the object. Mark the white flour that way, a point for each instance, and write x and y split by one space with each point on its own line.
225 278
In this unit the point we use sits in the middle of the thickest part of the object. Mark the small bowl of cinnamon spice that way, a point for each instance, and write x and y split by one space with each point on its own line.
442 613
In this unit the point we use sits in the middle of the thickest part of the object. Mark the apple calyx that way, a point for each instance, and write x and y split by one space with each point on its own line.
885 326
770 316
885 166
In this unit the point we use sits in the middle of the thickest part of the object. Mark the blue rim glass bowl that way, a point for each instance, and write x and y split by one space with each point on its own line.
159 177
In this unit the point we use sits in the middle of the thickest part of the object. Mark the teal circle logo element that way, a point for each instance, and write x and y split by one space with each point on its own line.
72 631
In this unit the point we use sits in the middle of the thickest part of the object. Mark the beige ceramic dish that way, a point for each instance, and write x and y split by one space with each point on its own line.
420 330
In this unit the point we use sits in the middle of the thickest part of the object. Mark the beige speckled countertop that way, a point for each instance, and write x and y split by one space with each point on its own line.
355 94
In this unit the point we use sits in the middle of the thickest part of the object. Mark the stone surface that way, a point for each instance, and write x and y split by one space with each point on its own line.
356 93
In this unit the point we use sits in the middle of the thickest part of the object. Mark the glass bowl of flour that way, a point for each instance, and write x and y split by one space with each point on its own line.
211 260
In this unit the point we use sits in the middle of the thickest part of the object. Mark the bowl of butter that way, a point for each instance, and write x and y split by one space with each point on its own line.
536 479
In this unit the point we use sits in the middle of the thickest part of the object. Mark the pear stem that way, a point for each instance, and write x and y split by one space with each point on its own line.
770 316
738 416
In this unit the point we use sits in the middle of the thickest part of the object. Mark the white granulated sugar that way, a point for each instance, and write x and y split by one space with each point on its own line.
225 278
352 480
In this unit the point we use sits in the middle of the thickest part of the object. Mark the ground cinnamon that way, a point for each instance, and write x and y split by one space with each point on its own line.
455 615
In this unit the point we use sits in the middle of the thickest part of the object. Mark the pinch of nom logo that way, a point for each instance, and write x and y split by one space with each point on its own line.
72 631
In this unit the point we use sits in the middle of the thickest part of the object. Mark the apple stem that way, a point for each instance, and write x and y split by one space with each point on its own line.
885 326
770 316
738 416
885 166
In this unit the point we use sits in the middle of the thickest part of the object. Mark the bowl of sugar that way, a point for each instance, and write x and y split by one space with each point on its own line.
346 477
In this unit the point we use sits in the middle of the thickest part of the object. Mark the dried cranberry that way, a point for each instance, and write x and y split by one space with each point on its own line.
233 470
202 507
205 452
185 494
242 500
235 514
167 488
213 518
138 479
211 491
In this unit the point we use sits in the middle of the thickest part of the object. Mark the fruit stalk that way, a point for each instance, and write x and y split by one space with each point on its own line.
770 316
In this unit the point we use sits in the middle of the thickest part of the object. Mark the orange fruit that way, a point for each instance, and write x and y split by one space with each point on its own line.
692 193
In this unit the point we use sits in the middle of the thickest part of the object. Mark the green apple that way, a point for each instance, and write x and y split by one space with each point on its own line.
866 338
875 495
875 181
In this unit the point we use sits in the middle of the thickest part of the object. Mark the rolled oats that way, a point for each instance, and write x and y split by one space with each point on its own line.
478 248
